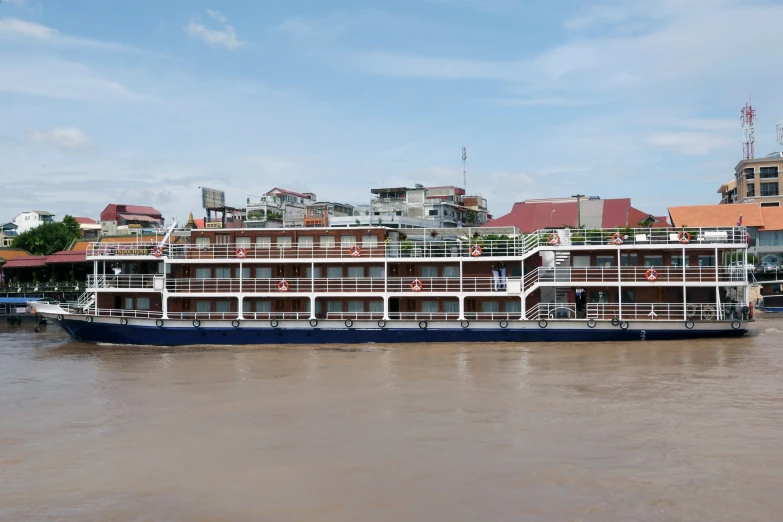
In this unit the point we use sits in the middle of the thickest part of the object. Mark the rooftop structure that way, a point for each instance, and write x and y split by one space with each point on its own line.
140 216
29 220
755 181
443 207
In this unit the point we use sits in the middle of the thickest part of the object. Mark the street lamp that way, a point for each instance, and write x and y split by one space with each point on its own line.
551 215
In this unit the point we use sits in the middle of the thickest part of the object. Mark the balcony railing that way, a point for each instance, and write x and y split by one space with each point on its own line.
635 274
663 311
464 247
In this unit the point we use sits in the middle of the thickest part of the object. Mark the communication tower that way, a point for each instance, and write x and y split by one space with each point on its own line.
780 133
464 169
748 119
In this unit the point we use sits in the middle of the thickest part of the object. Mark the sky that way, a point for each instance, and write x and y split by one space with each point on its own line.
143 102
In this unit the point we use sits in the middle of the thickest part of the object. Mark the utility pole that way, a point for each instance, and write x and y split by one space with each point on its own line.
464 169
578 209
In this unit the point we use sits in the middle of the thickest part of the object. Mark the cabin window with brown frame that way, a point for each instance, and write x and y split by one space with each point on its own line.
222 273
356 307
326 241
347 241
263 242
263 272
369 241
653 260
356 271
222 239
203 273
223 306
376 272
429 271
334 272
490 306
629 259
142 303
202 241
263 306
605 261
313 272
243 241
203 307
284 242
450 271
305 242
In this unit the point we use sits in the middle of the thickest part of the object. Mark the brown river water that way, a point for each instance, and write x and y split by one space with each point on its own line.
477 432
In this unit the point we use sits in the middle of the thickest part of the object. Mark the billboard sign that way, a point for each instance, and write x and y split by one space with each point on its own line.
212 198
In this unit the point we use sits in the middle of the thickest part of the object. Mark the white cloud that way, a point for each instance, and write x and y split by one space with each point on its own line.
14 27
21 30
223 37
66 138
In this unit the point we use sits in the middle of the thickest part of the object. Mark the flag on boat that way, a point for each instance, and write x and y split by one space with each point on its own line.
739 221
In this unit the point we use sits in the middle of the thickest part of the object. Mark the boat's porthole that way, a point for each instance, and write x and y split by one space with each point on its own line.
504 324
273 323
159 323
382 323
235 323
123 321
464 324
422 324
314 322
624 325
591 323
348 323
196 323
59 317
689 324
542 323
615 321
736 325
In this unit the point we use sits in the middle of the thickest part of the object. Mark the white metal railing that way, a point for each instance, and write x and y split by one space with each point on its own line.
345 284
634 274
203 315
354 315
116 312
275 315
493 316
663 311
424 316
552 311
130 281
515 246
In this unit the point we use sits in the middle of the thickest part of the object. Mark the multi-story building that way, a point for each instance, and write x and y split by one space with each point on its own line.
277 207
132 215
755 181
441 207
29 220
7 234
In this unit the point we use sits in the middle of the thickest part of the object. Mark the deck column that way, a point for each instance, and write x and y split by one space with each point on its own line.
312 307
685 262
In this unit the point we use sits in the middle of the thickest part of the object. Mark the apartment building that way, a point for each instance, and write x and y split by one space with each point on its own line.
755 181
29 220
441 207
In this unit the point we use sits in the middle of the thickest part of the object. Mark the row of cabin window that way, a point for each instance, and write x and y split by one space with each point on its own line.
652 260
142 303
353 306
331 272
367 241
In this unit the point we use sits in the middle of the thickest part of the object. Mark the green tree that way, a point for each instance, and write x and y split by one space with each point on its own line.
46 239
72 228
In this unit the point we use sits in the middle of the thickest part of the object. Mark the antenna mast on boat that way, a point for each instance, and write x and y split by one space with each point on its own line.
168 232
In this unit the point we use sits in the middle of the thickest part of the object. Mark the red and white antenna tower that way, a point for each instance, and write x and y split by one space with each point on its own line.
748 119
780 133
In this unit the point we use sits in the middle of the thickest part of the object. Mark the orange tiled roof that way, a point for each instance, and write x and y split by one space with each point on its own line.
7 254
717 215
773 218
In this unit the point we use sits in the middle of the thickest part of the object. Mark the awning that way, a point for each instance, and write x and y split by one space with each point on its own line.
26 262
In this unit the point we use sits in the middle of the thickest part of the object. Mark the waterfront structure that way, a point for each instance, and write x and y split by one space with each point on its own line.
88 227
435 207
376 284
276 207
8 233
29 220
764 225
591 213
755 181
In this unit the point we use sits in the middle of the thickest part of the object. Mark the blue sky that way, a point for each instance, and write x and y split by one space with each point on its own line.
142 102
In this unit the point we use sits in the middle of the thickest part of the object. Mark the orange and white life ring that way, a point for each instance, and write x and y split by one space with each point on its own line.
554 239
356 251
283 286
416 285
617 238
157 251
240 252
684 237
651 274
476 250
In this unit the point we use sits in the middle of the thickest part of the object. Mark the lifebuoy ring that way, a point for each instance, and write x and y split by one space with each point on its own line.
416 285
464 324
684 237
553 239
240 252
476 250
617 238
356 251
283 286
690 311
651 274
157 251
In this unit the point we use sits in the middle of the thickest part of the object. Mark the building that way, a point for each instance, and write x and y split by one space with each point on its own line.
764 224
277 207
441 207
90 229
755 181
7 234
29 220
591 212
133 216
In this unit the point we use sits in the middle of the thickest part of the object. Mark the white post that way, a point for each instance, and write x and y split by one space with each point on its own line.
619 285
164 295
386 280
684 288
718 311
522 292
241 300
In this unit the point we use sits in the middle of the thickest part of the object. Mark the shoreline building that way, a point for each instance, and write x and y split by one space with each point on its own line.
29 220
423 207
755 181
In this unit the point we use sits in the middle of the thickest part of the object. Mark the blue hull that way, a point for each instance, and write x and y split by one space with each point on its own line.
150 335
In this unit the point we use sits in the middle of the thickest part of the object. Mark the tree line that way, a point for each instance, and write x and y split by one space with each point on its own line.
48 238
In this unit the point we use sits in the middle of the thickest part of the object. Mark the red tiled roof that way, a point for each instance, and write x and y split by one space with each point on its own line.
26 262
199 222
614 213
137 209
717 215
529 217
67 256
85 221
7 254
773 218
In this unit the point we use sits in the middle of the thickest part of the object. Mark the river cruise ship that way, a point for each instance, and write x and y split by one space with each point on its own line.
385 285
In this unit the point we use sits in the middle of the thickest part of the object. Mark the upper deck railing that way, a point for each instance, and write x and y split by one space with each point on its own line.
475 247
